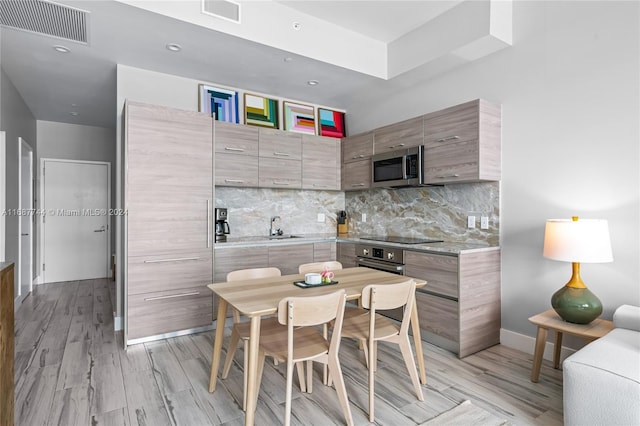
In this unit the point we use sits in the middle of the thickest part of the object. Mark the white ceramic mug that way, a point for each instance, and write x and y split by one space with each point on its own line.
312 278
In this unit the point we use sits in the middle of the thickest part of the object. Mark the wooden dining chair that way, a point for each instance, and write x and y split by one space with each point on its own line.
241 330
332 265
373 327
298 340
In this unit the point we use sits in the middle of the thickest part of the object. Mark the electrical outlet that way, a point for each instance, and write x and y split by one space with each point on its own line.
364 217
484 222
471 222
321 217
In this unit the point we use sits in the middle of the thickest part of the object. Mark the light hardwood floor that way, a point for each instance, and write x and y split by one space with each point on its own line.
71 369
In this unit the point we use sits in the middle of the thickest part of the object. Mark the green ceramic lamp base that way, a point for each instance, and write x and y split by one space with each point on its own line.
575 302
577 305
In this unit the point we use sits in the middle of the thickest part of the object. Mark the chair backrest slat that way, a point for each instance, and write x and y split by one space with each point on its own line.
388 296
311 310
249 274
332 265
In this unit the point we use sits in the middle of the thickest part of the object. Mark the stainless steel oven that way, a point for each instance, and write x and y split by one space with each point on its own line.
386 259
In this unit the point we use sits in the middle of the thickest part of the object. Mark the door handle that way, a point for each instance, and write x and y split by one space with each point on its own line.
24 235
102 229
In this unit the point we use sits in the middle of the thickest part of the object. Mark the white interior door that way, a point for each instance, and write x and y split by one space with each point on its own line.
25 203
76 222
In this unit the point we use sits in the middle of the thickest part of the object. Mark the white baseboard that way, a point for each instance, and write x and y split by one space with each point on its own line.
117 322
527 344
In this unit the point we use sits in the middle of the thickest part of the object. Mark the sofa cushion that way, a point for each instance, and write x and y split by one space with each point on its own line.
617 352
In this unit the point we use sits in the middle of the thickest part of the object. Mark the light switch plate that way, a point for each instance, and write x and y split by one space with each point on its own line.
364 217
484 222
321 217
471 221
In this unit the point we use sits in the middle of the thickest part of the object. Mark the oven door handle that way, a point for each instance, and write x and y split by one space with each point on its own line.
383 266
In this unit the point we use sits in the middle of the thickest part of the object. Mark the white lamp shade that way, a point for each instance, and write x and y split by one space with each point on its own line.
584 241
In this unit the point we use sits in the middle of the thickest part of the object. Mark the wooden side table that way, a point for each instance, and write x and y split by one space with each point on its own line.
550 320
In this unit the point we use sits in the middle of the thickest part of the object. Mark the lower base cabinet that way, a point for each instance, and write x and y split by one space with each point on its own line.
346 254
459 308
151 314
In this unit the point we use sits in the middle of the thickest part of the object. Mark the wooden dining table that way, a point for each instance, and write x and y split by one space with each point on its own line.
256 298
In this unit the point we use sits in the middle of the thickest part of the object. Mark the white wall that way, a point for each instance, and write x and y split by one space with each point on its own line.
569 88
76 142
17 121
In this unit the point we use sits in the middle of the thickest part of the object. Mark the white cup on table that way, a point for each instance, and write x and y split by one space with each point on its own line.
312 278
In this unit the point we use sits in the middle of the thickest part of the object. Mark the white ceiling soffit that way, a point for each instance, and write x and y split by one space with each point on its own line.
468 31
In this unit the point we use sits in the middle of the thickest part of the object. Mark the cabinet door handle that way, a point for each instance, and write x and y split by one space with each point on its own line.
357 156
448 138
282 154
208 224
357 184
396 146
234 180
448 176
276 182
175 259
171 296
229 148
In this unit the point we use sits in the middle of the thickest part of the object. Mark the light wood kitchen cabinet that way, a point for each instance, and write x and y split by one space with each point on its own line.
323 252
320 163
280 162
459 308
168 194
357 147
356 175
346 254
288 258
402 135
462 143
280 144
236 159
235 258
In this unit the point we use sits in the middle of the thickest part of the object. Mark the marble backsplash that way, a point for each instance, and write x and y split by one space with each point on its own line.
250 210
434 212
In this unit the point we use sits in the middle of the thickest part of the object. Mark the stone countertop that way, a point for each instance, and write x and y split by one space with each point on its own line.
450 248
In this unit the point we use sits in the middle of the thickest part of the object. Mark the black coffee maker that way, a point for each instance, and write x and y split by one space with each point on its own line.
222 226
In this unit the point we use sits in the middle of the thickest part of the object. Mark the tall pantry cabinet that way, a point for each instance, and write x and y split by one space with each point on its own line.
169 196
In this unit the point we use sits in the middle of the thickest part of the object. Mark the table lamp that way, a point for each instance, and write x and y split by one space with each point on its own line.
577 241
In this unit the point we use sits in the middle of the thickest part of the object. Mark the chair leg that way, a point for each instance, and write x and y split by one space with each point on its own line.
300 369
287 415
365 348
372 365
407 354
244 374
335 373
309 376
231 351
261 360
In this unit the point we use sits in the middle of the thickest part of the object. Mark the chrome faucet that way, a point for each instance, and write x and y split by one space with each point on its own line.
275 230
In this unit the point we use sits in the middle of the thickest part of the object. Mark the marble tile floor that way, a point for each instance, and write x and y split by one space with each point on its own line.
71 369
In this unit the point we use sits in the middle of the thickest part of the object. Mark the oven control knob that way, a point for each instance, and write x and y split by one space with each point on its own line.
365 252
390 256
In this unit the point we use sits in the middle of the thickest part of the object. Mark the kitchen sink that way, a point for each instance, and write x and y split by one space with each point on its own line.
283 237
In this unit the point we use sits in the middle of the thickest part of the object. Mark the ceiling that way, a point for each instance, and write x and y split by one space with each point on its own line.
345 45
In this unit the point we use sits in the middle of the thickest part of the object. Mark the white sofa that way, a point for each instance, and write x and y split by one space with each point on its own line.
602 380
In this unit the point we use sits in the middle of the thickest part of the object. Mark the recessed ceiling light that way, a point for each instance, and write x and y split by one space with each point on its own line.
61 49
74 113
297 26
313 82
174 47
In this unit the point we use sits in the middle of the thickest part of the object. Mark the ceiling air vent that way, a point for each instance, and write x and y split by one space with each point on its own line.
46 18
222 9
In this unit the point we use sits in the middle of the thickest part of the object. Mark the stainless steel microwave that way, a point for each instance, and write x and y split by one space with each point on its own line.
398 168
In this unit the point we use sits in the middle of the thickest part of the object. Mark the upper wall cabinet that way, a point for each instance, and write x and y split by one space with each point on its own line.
236 156
356 161
462 143
280 162
397 136
357 147
320 163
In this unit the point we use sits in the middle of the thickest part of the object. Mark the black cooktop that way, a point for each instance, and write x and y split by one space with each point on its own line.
402 240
